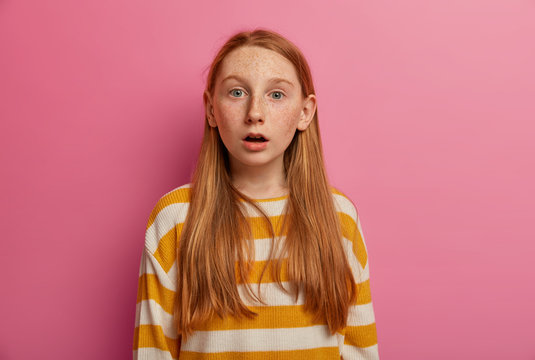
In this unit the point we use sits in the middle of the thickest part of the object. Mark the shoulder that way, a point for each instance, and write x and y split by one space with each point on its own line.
344 204
179 195
350 222
169 211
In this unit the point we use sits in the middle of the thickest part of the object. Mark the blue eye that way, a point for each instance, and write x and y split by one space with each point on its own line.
278 94
236 92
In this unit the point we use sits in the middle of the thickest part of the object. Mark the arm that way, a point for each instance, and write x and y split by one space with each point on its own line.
360 341
155 335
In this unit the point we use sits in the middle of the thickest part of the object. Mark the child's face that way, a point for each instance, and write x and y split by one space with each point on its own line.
250 96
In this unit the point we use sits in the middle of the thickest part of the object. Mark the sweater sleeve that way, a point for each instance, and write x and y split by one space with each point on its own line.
360 334
155 334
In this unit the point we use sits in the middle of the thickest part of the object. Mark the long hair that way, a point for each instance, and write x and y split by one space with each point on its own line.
216 246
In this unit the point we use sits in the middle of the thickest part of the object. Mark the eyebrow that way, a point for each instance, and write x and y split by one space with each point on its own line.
272 80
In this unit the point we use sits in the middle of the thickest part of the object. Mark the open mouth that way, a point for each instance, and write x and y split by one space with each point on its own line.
255 139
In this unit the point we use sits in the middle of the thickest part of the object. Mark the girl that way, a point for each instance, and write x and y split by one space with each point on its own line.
258 257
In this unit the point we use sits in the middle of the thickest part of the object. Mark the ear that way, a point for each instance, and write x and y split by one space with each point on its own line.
307 112
209 109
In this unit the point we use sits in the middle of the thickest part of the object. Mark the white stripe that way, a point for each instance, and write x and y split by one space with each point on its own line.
166 220
275 208
361 234
340 339
357 353
260 340
151 354
359 315
149 312
343 204
263 247
271 294
271 208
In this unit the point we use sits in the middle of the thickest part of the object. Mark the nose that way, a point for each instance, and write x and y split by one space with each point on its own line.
256 112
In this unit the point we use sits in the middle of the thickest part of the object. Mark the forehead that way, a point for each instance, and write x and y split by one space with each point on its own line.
257 62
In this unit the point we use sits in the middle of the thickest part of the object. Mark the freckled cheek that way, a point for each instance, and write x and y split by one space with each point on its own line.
228 118
229 112
290 119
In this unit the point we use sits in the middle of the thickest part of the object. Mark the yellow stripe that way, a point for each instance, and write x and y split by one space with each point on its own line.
350 231
269 199
150 288
166 251
361 336
153 336
364 295
174 197
338 192
269 317
319 353
254 276
260 228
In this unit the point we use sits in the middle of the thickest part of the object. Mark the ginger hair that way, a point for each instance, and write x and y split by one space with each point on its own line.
216 244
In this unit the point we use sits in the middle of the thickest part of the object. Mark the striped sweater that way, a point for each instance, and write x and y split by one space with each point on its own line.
281 330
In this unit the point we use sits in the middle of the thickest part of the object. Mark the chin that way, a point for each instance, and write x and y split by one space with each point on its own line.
254 162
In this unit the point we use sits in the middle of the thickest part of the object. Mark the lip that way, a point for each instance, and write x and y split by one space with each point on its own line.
255 146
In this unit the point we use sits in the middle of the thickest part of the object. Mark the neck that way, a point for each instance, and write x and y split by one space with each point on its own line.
260 182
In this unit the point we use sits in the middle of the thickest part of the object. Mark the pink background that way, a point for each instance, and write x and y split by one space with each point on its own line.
426 111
